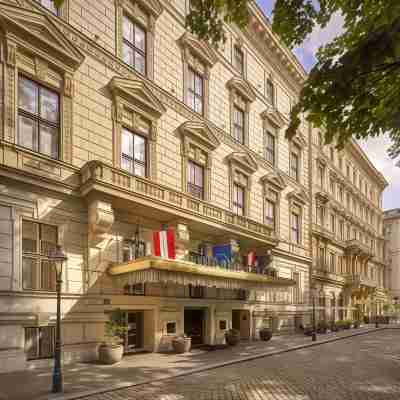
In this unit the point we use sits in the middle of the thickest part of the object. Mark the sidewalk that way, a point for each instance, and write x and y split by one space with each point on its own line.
88 378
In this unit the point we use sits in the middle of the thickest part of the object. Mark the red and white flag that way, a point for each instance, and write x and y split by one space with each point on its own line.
251 259
164 243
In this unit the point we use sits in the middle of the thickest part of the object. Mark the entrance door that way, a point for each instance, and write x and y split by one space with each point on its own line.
133 340
241 322
194 325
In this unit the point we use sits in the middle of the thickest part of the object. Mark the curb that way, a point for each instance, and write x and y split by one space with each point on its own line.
80 395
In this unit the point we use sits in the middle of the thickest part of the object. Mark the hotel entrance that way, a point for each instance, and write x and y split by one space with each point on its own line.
133 338
195 325
241 322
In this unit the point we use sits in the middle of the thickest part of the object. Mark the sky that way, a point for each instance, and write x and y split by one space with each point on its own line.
375 148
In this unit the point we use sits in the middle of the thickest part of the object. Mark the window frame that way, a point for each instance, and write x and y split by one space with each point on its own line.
193 73
235 204
295 152
295 217
131 158
37 118
268 149
270 91
235 125
201 189
38 345
239 65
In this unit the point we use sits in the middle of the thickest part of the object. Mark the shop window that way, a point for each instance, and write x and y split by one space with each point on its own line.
137 289
38 118
223 325
39 342
171 328
133 153
38 240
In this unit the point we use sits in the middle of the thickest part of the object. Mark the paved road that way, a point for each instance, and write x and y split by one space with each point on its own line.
360 368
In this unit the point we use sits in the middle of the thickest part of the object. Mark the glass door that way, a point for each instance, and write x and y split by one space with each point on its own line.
134 334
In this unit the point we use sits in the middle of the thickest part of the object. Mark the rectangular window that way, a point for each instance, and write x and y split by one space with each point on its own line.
295 163
333 223
238 59
49 4
238 124
270 209
296 288
195 91
38 240
38 118
354 178
195 180
332 187
332 262
320 215
133 153
39 342
134 45
196 292
270 148
321 176
238 199
295 228
341 230
341 194
348 171
322 257
270 92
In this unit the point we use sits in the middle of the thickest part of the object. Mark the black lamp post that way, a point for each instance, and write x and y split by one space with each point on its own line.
58 258
376 311
314 328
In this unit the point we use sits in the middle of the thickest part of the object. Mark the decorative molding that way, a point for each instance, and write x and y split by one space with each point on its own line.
299 140
244 160
199 48
201 132
275 117
275 179
242 87
100 217
298 196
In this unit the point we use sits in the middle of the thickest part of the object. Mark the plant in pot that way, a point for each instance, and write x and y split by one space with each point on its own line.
356 324
111 350
347 324
232 337
265 334
181 344
322 327
334 326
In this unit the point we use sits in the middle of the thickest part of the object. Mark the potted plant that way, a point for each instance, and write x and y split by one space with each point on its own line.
334 326
322 327
356 324
111 350
265 334
232 337
339 325
347 324
182 344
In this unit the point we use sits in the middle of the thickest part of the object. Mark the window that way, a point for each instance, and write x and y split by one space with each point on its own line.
340 163
271 205
332 187
333 262
341 230
238 124
49 4
238 199
270 92
295 226
322 257
295 162
133 249
195 180
133 149
38 118
270 148
37 242
348 171
354 177
238 59
348 232
341 194
333 223
320 215
320 142
196 292
171 328
195 91
332 154
39 342
321 175
134 45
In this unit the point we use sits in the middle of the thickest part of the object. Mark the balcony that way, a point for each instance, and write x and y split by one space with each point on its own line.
323 274
358 281
156 269
354 246
323 232
163 203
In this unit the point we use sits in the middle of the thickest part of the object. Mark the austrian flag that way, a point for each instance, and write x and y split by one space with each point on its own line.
164 243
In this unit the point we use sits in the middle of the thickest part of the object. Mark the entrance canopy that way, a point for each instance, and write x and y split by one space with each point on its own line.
156 269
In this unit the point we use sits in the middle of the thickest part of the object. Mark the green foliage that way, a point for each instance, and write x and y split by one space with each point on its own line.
206 18
115 328
352 90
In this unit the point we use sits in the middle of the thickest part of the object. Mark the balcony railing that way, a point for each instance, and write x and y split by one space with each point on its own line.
95 172
360 280
322 273
356 246
322 231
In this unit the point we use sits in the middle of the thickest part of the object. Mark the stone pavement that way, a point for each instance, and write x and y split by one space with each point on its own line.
81 378
362 368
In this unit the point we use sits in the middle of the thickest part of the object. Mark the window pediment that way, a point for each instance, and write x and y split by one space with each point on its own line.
298 195
199 48
200 131
136 91
39 34
153 7
321 197
299 140
275 179
275 117
244 160
243 88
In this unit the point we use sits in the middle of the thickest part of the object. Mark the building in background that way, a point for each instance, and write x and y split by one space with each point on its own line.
391 228
349 269
160 165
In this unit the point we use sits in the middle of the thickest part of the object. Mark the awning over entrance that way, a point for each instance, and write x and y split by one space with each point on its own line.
156 269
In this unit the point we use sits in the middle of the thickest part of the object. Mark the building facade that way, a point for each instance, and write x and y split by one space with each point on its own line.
349 271
160 166
391 229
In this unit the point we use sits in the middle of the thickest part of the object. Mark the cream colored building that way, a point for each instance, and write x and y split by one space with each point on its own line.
349 270
391 229
115 124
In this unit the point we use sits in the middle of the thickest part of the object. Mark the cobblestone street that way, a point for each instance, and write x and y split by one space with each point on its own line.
364 367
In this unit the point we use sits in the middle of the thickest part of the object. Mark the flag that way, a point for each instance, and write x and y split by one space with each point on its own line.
164 243
251 259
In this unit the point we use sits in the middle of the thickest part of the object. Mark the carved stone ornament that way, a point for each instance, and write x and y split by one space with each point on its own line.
244 160
274 117
275 179
199 48
298 195
242 87
200 132
101 217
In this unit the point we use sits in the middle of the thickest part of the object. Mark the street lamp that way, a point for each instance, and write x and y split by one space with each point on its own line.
313 291
376 310
57 258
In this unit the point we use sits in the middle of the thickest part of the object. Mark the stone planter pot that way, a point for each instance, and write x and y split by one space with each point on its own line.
232 337
182 345
265 334
110 354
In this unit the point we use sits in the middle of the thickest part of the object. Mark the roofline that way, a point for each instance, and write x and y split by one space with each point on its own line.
394 216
